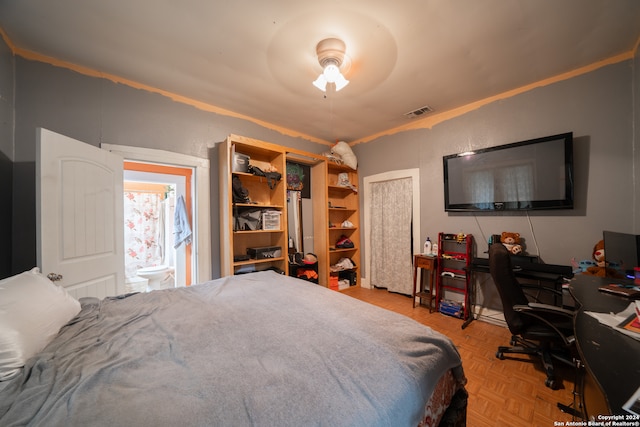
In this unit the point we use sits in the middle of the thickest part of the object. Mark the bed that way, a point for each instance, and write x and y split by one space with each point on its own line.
258 349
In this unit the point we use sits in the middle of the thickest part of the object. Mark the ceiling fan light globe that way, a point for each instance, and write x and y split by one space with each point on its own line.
340 82
331 73
321 83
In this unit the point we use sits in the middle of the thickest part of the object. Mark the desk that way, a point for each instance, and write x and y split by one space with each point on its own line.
550 273
612 359
425 263
524 268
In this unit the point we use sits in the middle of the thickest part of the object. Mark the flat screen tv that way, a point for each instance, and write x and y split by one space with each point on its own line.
521 176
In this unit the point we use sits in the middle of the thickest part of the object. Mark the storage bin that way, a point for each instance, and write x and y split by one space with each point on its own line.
343 284
451 308
240 163
271 220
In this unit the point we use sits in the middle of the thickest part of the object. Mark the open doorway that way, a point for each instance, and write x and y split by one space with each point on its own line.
199 205
156 254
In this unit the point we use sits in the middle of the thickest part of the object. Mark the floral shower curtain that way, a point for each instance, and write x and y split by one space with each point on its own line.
143 235
391 225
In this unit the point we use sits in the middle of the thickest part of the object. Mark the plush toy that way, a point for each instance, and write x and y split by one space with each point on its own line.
511 241
598 254
343 150
581 266
600 268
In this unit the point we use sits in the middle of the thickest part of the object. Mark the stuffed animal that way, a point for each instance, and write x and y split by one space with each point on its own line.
343 150
598 254
600 268
511 241
582 265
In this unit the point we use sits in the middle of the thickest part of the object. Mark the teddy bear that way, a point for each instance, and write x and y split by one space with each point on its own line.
600 268
511 241
598 254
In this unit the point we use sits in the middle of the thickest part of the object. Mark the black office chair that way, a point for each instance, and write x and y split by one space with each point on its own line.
537 329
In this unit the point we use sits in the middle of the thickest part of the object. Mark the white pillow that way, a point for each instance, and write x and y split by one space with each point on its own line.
32 311
346 153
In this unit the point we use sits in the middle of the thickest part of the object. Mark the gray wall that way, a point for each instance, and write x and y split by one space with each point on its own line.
95 111
6 100
636 139
6 155
598 107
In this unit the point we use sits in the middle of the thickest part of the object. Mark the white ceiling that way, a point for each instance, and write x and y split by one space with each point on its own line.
257 58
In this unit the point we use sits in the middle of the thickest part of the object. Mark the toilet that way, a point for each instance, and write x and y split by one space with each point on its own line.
155 275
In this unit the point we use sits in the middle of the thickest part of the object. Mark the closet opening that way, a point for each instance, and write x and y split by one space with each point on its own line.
411 220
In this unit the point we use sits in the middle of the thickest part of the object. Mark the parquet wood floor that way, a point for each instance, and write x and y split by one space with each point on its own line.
501 392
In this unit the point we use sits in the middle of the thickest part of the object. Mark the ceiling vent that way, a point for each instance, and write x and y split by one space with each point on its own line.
419 112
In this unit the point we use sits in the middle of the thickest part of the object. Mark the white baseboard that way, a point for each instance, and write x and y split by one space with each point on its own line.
364 283
488 315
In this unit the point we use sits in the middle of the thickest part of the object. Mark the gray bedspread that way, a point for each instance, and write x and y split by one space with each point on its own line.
259 349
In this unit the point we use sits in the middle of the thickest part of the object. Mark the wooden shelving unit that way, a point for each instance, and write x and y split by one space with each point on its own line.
334 203
234 242
343 205
455 252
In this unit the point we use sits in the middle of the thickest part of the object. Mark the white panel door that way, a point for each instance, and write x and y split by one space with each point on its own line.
79 212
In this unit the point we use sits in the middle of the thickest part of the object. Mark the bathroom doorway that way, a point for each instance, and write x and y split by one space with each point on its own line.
157 204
